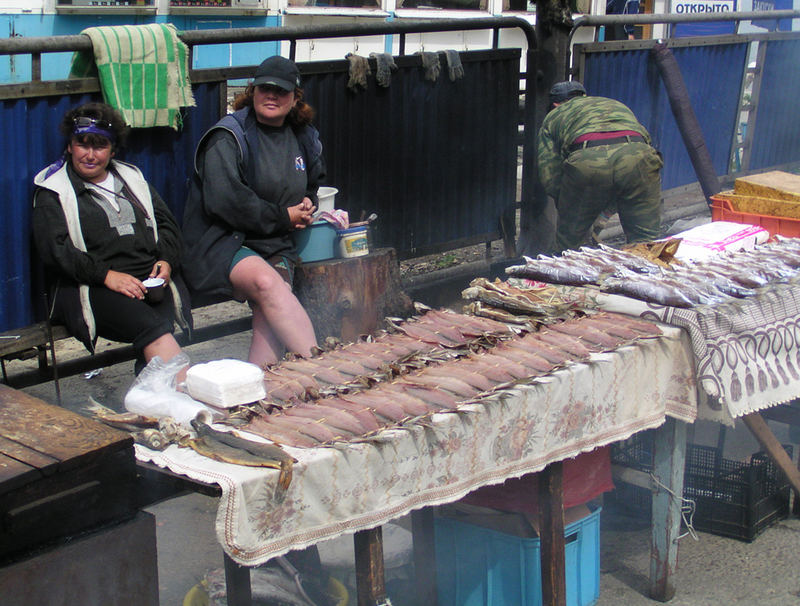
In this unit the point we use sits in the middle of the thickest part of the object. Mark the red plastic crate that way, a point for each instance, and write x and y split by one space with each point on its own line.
721 210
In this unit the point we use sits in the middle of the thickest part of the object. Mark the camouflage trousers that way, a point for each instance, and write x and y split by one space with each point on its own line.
626 176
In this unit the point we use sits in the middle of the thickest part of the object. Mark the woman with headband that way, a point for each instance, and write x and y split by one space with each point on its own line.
101 231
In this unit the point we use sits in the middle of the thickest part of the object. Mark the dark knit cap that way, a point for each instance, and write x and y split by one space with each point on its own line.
562 91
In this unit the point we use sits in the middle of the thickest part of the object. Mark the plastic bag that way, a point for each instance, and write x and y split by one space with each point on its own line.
154 392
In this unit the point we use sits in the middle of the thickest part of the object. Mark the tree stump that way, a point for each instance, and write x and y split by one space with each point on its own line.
346 298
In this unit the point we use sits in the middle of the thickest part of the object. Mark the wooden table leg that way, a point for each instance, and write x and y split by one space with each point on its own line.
551 532
237 583
669 455
767 439
370 585
424 546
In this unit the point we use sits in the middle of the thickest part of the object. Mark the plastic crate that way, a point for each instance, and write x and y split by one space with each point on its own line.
478 566
722 210
736 499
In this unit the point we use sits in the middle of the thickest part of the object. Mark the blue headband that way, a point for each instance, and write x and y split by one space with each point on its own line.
93 130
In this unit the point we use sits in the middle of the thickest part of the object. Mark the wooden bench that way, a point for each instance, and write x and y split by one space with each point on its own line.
343 297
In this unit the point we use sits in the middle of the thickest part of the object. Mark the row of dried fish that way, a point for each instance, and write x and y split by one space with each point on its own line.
713 281
362 414
376 358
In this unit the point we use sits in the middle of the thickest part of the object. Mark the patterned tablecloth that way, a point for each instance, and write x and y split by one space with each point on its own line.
747 351
507 434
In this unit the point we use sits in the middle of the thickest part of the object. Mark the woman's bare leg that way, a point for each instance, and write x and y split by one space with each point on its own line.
278 316
165 347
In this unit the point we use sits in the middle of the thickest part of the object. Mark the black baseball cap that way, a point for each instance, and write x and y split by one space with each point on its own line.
562 91
278 71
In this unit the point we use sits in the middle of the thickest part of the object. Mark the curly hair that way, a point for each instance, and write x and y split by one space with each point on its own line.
100 111
300 115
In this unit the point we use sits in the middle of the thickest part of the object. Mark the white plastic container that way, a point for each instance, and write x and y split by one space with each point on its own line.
353 242
326 196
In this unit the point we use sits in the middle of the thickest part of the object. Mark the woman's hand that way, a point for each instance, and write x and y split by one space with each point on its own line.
303 214
161 269
125 284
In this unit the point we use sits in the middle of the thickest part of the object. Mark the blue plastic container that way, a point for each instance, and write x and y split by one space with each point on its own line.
317 242
478 566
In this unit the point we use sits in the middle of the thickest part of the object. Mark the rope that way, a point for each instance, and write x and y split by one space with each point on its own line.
688 507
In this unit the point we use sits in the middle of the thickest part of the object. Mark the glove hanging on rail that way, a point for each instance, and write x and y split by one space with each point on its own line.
359 70
386 65
430 63
454 67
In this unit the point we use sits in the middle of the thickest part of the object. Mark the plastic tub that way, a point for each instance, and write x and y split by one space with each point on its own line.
317 242
722 210
353 242
326 196
478 566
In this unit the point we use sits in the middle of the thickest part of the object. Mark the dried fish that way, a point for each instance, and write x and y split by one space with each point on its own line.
382 406
270 455
451 384
365 415
260 426
653 291
583 331
335 418
455 370
411 405
567 343
531 360
479 309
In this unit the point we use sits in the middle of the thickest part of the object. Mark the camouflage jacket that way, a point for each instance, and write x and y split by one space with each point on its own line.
570 120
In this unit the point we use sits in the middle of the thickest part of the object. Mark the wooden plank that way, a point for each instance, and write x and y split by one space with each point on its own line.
551 532
44 463
669 454
14 473
756 424
370 585
21 339
56 432
424 546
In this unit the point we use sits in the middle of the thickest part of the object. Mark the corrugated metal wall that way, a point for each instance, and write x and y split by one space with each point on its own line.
713 76
435 160
32 140
776 137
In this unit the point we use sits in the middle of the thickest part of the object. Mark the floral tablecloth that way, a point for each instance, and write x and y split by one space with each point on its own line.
507 434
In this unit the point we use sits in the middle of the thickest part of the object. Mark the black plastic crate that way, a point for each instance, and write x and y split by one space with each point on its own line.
736 499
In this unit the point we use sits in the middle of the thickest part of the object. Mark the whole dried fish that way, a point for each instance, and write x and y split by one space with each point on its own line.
653 291
263 455
333 417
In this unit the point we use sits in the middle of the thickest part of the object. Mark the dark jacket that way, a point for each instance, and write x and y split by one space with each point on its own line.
65 212
238 198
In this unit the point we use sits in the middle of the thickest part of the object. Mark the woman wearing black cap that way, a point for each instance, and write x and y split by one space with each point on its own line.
102 231
257 172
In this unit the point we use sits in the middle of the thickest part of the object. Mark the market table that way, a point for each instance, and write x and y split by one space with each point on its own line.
523 429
